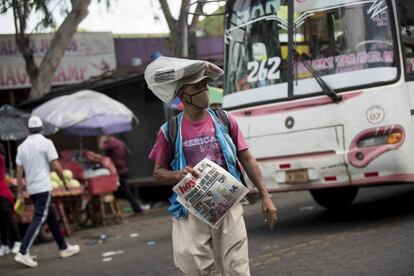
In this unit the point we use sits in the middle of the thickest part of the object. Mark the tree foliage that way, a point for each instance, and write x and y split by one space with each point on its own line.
213 25
41 75
179 27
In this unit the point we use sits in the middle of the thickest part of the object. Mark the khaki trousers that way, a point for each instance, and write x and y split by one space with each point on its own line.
197 246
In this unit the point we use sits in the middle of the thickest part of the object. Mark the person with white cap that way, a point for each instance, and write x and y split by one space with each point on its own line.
34 157
200 133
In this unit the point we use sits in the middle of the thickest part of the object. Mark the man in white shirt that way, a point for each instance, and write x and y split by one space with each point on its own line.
35 156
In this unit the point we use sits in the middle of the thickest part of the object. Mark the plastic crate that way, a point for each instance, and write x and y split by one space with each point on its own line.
102 184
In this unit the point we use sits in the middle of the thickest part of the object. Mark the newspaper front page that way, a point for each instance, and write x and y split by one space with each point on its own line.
210 196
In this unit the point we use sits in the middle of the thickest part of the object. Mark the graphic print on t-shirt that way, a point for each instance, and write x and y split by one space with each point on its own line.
204 146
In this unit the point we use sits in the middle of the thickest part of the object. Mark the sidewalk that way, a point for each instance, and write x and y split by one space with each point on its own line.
128 248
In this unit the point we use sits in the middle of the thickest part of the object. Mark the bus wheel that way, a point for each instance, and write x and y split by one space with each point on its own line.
335 198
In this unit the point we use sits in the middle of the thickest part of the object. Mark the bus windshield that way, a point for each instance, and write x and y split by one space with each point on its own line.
349 43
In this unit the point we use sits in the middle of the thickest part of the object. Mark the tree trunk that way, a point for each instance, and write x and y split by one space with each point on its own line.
184 36
50 62
178 28
21 13
179 39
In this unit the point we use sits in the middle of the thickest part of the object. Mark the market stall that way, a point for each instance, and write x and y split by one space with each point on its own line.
13 127
99 178
89 113
92 177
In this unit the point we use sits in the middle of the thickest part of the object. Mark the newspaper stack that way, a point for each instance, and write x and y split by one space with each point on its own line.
210 196
181 70
164 74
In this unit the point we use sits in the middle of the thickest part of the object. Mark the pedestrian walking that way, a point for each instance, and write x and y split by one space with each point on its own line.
8 227
200 132
118 152
35 156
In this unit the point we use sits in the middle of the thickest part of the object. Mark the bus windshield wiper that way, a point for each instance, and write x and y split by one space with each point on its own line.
325 87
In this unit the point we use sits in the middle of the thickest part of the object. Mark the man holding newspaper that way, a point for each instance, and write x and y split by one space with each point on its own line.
199 149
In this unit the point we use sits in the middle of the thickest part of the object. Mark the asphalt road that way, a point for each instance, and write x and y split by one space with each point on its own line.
373 237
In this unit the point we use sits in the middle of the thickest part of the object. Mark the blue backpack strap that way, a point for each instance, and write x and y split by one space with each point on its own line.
223 118
172 131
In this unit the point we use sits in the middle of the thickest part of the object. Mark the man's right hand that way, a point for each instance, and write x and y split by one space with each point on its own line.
163 174
181 174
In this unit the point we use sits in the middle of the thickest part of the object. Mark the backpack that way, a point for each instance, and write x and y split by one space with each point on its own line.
223 120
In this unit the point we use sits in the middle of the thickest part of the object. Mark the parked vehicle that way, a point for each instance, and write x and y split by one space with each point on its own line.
323 92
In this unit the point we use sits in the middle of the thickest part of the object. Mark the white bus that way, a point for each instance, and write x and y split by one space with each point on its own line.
323 91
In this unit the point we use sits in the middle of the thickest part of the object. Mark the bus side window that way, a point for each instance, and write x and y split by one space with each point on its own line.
408 43
407 33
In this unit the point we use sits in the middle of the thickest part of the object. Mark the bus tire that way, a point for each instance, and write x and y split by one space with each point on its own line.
335 198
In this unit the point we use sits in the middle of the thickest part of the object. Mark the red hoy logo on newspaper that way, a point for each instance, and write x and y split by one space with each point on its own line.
187 185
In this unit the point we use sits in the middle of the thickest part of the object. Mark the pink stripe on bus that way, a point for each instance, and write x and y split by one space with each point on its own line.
293 105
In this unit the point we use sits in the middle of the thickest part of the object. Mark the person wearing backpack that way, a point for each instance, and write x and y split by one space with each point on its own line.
182 142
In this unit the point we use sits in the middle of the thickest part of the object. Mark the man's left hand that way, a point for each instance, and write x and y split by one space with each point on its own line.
269 211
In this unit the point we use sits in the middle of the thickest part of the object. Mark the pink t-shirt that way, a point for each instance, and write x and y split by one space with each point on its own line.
199 142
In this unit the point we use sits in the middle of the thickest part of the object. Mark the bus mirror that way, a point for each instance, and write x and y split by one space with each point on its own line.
259 51
407 12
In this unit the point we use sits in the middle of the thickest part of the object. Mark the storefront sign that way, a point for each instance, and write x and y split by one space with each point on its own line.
87 55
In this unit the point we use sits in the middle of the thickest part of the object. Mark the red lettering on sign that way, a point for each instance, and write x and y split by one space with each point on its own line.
60 75
10 79
82 72
72 72
21 75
